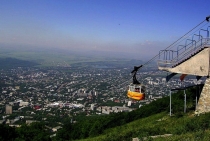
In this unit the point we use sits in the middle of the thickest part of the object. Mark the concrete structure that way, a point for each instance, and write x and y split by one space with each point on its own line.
22 103
8 109
204 100
129 103
55 129
92 106
30 121
194 61
197 64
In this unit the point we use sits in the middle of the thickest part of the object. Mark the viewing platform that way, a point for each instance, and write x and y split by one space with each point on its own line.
192 58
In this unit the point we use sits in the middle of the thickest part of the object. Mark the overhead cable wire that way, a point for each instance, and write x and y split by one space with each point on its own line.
178 40
189 35
207 19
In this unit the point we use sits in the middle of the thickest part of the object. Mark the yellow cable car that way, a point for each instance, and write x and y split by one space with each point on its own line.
136 90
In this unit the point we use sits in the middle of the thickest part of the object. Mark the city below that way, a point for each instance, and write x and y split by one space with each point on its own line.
32 94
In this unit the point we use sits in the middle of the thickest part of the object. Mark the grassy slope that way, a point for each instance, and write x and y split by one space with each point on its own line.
187 127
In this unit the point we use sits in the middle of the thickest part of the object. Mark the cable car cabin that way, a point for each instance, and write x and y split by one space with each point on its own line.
136 92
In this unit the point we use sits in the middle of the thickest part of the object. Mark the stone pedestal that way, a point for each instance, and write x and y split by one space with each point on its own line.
204 100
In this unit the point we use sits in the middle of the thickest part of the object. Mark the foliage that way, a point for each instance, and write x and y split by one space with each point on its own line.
7 133
184 128
33 132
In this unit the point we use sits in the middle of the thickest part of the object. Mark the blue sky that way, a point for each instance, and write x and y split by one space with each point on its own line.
131 28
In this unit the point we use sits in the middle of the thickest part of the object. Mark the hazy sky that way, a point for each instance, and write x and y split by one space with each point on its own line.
135 28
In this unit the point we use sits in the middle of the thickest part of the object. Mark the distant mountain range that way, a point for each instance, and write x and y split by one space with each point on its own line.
8 63
58 57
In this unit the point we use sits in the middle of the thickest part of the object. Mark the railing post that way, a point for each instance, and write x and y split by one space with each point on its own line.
204 30
179 50
199 38
170 102
208 31
196 98
191 42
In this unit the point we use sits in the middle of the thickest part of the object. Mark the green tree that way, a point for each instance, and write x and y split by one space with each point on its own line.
7 133
33 132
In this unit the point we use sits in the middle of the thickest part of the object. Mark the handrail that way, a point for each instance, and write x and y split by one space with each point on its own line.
169 60
185 51
191 42
204 30
208 32
200 39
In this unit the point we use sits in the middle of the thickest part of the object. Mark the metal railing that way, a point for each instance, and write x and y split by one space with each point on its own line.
171 58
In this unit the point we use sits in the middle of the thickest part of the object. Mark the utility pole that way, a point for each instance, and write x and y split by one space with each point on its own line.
170 102
185 99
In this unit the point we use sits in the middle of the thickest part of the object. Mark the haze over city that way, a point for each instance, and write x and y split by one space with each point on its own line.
123 28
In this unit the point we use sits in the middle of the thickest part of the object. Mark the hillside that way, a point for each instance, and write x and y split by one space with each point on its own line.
181 126
9 63
149 120
187 127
